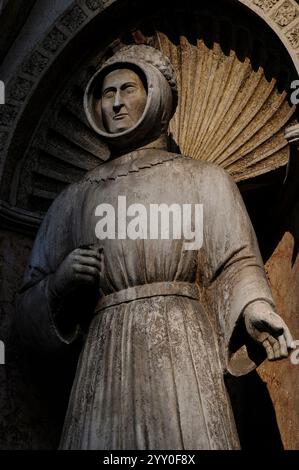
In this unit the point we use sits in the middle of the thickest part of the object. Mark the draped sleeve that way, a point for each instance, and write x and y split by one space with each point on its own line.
232 270
38 312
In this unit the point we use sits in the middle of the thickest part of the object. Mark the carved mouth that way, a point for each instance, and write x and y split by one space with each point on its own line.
120 116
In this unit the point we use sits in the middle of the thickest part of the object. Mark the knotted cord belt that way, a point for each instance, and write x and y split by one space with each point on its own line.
181 289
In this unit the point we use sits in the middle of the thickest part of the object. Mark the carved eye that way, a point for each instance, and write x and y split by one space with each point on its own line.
108 94
130 89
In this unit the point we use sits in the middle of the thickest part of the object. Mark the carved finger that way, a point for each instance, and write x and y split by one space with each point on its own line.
262 336
275 346
288 337
268 349
85 278
283 346
276 349
89 270
88 252
89 261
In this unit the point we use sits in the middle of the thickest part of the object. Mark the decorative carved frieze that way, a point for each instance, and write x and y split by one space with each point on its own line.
20 89
35 64
293 36
54 40
265 5
8 114
95 4
73 19
285 14
280 15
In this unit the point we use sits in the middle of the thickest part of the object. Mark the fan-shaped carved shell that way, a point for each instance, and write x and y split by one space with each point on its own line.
229 113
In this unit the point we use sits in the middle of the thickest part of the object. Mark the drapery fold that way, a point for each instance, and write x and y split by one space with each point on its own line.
150 375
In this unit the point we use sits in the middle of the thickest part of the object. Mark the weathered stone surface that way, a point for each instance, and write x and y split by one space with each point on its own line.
19 89
3 138
285 14
293 36
19 431
73 19
8 113
265 5
54 40
35 64
29 417
173 336
283 378
221 133
20 425
94 4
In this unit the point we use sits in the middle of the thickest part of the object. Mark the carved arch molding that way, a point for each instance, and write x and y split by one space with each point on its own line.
235 60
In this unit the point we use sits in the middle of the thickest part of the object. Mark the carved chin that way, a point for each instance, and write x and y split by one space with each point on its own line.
119 125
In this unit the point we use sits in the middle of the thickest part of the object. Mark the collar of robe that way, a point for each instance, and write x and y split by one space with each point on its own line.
132 162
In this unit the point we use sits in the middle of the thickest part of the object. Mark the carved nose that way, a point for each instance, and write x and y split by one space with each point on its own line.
117 103
117 107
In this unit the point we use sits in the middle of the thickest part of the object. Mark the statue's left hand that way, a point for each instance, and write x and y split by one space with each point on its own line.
268 329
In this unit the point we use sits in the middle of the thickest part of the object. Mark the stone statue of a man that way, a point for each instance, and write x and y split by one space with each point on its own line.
164 321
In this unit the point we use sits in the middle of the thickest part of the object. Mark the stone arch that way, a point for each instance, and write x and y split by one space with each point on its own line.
283 17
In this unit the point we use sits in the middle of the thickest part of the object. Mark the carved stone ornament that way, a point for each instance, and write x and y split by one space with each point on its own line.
265 4
293 36
285 14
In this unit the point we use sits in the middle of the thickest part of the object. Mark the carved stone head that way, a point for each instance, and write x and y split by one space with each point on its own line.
131 99
123 100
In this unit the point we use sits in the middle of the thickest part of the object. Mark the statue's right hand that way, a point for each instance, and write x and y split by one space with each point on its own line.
80 267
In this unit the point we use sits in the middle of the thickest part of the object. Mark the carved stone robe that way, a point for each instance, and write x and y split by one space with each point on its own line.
151 371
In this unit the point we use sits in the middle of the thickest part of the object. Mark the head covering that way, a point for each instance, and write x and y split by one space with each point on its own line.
158 75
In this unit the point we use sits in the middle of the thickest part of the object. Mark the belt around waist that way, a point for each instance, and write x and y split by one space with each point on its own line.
182 289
